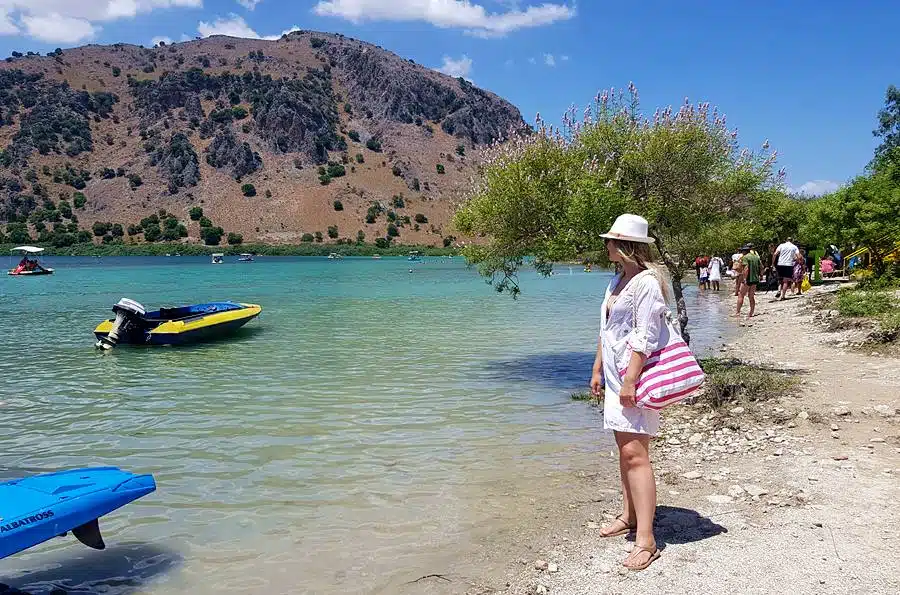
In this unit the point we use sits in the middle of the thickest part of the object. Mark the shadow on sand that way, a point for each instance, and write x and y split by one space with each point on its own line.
119 570
568 370
676 525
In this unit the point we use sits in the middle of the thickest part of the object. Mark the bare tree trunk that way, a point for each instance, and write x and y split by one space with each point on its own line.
677 274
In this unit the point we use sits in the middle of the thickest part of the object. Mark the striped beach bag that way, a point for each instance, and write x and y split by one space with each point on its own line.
670 374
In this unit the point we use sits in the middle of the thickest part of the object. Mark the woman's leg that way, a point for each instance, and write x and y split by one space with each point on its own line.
634 455
628 515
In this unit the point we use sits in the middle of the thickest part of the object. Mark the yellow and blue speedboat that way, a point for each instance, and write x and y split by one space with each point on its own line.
133 325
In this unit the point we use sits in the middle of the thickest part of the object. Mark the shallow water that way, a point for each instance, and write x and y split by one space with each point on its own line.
369 423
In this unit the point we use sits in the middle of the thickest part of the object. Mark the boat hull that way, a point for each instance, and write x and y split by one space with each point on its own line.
30 273
192 329
38 508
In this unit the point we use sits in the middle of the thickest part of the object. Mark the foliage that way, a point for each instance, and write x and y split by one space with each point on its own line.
212 235
354 136
332 231
195 213
336 170
461 150
373 145
440 168
729 381
134 180
360 158
392 231
235 239
338 205
865 303
238 112
248 190
551 194
888 124
319 237
420 218
205 221
307 237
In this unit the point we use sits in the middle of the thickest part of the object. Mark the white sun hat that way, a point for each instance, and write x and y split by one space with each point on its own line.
629 228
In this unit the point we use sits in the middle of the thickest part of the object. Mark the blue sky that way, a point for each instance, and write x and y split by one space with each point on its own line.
808 76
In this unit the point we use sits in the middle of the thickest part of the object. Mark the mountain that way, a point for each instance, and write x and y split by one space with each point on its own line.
312 134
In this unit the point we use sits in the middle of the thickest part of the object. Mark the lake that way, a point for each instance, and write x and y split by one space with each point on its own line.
368 426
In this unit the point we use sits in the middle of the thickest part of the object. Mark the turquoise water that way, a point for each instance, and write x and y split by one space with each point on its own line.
365 427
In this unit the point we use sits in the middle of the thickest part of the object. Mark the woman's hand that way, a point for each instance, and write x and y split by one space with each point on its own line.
628 393
597 384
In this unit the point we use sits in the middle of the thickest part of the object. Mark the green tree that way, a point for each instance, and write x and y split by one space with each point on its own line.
319 237
332 231
420 218
205 222
235 239
212 235
338 205
79 199
354 136
307 237
440 168
392 231
461 150
374 145
196 213
550 195
360 237
248 190
888 124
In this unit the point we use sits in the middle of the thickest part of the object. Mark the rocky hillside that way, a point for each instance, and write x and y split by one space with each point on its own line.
313 137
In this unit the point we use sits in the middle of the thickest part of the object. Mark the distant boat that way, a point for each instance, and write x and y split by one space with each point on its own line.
245 257
29 267
376 257
335 256
218 258
414 256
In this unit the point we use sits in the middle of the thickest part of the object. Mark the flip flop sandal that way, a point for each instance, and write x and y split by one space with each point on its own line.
625 531
654 555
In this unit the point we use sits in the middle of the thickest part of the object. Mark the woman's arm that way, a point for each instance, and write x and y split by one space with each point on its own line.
632 375
597 380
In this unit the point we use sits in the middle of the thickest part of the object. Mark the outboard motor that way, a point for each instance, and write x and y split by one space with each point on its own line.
127 311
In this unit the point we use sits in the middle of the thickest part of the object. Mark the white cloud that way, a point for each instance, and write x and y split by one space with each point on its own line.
532 61
161 38
564 58
71 21
236 26
816 188
465 14
55 27
549 60
249 4
457 68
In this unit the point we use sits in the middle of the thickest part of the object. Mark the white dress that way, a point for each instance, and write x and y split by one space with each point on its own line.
715 269
616 334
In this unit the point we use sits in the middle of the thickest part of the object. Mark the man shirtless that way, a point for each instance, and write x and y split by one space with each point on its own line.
750 265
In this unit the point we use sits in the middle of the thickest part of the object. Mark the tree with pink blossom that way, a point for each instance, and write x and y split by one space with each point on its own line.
549 195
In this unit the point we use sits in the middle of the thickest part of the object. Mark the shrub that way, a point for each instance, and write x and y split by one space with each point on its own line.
116 71
319 237
239 112
360 236
307 237
235 238
397 171
100 229
205 222
195 213
397 202
460 150
730 380
415 185
391 216
360 158
373 145
116 230
212 235
338 205
864 303
134 181
84 236
336 170
133 230
354 136
440 168
383 242
348 108
420 218
65 209
332 231
324 179
392 231
316 42
248 190
447 242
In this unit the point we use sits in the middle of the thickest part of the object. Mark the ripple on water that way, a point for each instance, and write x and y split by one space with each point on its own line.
368 422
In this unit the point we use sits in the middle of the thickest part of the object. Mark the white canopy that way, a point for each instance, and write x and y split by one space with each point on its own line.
28 249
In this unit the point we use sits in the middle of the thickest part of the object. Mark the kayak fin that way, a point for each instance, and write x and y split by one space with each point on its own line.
89 535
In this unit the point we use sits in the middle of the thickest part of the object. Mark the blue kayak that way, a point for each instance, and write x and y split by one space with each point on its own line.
35 509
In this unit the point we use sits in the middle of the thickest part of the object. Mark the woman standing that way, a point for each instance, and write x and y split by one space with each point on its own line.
799 270
625 345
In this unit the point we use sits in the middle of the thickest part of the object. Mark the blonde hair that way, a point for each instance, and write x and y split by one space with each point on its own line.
640 255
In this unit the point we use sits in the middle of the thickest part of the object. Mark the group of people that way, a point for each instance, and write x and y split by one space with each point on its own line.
709 271
787 270
27 265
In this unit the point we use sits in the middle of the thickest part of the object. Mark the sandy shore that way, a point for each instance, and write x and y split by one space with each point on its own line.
795 496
